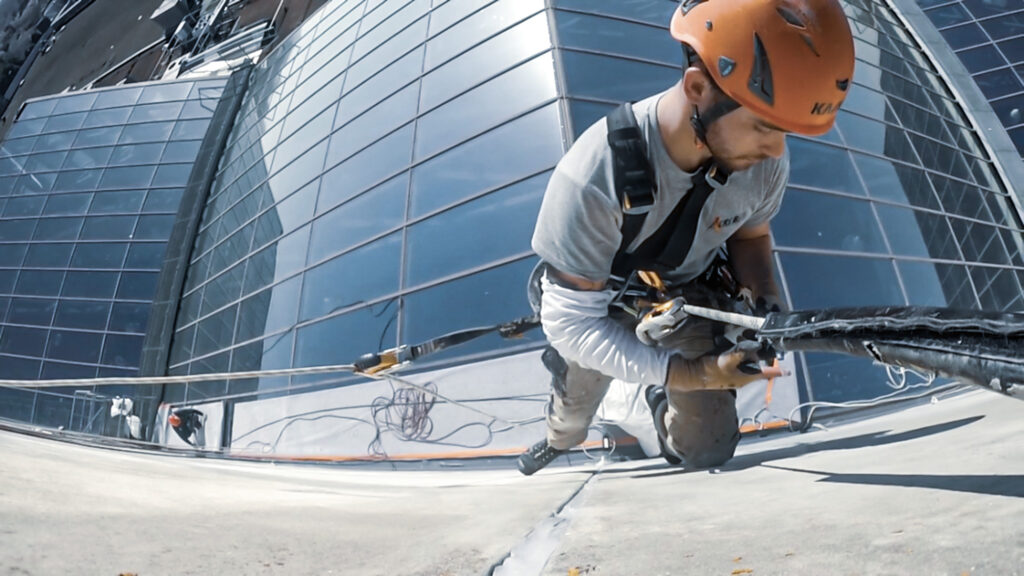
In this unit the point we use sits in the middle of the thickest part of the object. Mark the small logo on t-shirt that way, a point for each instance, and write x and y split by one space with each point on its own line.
719 223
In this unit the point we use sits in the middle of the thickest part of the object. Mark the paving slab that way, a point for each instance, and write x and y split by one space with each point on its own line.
933 489
69 509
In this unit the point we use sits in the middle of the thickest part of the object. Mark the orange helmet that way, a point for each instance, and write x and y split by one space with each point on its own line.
789 61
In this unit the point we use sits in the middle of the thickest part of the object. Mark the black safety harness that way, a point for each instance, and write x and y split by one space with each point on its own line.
636 188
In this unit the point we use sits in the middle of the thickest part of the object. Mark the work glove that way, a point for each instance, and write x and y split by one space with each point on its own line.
733 369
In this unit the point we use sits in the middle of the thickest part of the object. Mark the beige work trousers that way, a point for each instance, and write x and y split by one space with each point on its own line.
702 426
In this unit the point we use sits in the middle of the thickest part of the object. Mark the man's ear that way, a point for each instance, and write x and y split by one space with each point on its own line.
697 86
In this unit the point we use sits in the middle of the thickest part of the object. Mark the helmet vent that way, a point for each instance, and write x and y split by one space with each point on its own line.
761 75
810 43
790 17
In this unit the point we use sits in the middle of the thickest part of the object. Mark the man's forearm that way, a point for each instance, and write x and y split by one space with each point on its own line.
751 260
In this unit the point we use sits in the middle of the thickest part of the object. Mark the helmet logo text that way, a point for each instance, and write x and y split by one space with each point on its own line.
824 108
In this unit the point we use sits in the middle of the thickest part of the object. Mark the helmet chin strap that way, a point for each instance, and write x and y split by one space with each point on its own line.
702 122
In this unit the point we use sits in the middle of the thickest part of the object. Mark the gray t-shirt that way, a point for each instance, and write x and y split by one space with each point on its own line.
579 227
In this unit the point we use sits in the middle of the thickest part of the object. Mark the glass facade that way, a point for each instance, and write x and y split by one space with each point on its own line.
379 187
988 36
89 187
382 178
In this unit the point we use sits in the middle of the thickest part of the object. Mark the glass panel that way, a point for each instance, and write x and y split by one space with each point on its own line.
998 83
476 27
74 102
74 346
88 157
122 350
827 281
49 255
948 15
22 341
837 378
807 160
813 220
268 311
214 333
12 255
129 317
149 132
1005 26
45 162
172 175
344 338
527 145
154 227
981 58
59 370
51 229
99 255
384 117
58 141
117 202
906 230
81 284
163 200
64 122
127 177
37 109
137 286
372 213
71 180
35 183
24 206
438 246
146 255
19 369
39 282
16 229
964 36
485 298
108 117
387 156
108 228
164 92
181 151
587 75
504 97
98 136
189 129
34 311
890 181
136 154
156 112
494 55
616 37
363 274
82 314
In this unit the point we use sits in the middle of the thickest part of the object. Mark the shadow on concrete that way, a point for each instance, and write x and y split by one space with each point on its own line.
881 438
993 484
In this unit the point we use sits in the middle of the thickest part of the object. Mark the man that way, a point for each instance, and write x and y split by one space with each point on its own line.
753 71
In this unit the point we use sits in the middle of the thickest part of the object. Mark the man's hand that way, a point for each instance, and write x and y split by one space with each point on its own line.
729 370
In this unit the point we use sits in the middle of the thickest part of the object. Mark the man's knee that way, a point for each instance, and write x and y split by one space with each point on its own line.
707 452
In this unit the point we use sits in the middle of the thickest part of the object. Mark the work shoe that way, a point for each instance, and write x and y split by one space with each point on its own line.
538 456
657 400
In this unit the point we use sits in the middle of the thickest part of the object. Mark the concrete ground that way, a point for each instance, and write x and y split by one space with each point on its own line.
932 489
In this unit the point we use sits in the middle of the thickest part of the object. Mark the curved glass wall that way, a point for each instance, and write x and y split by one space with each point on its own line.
379 187
988 36
90 184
